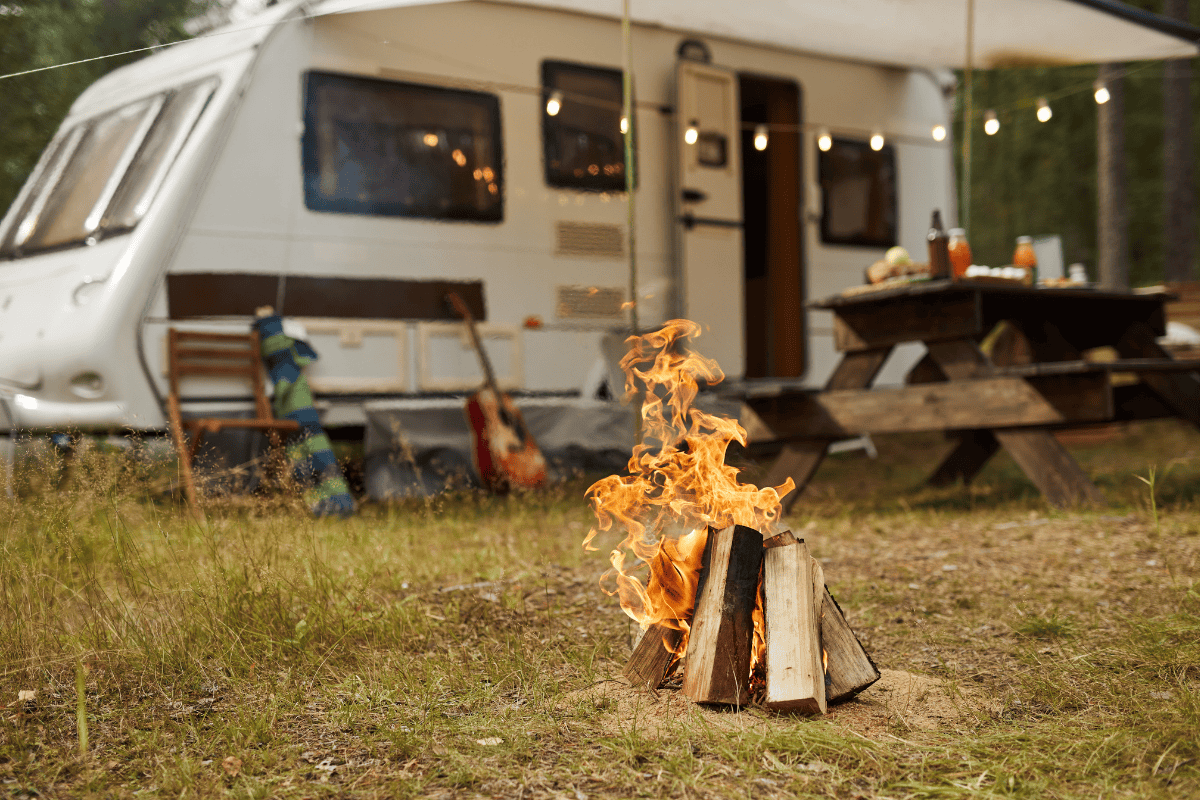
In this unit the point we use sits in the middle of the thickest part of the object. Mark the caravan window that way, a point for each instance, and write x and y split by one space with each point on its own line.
859 189
100 176
401 149
581 127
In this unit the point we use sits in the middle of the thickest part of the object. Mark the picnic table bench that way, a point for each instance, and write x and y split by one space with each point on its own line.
1005 366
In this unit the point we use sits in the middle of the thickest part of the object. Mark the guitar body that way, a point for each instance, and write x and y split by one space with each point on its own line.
504 452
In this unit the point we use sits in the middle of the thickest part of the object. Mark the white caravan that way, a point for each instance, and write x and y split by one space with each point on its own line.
351 161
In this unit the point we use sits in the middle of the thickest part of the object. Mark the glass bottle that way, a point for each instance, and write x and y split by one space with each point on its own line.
939 254
960 253
1025 257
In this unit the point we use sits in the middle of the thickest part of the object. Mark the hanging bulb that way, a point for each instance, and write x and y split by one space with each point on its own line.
1043 112
990 123
877 140
939 133
692 134
624 124
760 137
824 140
1102 95
554 104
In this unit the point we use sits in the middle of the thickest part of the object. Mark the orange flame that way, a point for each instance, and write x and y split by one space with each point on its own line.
678 484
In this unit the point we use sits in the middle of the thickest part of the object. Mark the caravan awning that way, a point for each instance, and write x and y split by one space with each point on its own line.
913 33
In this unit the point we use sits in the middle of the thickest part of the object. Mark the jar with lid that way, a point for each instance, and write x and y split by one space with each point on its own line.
960 253
1025 257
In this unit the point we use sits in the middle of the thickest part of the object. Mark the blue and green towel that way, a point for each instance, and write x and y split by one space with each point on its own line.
310 451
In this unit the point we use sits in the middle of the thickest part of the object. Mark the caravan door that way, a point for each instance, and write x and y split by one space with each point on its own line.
710 209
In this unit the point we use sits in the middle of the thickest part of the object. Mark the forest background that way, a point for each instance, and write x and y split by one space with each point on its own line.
1031 178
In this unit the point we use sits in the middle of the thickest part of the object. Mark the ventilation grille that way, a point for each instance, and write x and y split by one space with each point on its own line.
588 239
590 302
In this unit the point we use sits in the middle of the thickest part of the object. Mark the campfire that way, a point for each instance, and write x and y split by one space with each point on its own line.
725 596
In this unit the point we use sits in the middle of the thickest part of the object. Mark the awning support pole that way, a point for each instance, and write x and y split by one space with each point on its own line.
968 125
630 182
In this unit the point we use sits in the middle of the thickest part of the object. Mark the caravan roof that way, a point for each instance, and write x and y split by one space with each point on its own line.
911 33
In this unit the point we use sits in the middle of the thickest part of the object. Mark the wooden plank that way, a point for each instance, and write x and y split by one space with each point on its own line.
906 319
972 451
924 371
857 370
228 370
1139 365
1181 392
798 461
647 666
795 677
850 668
1047 463
981 403
718 655
1059 477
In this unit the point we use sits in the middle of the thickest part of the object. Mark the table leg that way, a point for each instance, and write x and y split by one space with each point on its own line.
799 460
1179 390
1050 467
966 459
1047 463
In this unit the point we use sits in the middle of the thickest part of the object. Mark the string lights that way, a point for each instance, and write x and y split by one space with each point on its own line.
938 133
760 137
877 140
554 104
824 140
1100 92
1043 110
991 125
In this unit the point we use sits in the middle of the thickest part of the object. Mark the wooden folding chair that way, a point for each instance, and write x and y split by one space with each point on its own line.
234 355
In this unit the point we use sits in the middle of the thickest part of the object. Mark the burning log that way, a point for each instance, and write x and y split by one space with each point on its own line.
652 657
719 646
850 669
795 672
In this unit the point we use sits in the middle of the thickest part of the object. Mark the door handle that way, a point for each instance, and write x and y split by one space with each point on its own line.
694 196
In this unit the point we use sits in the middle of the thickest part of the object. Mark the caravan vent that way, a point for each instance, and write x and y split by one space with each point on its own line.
590 302
588 239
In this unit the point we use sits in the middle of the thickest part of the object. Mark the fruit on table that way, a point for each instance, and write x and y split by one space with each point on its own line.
897 256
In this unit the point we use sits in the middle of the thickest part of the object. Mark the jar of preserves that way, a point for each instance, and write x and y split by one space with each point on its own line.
1025 257
960 253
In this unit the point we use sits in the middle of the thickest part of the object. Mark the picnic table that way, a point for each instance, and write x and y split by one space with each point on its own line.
1005 366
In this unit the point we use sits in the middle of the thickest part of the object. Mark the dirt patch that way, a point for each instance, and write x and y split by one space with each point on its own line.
898 701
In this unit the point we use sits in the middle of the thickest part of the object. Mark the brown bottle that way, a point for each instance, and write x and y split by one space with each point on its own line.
939 248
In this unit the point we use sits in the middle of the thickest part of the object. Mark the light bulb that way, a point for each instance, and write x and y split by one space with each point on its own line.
877 141
554 104
1043 110
824 140
990 123
760 137
939 133
624 125
692 134
1102 95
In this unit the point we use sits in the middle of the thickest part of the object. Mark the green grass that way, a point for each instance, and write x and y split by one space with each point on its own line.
461 647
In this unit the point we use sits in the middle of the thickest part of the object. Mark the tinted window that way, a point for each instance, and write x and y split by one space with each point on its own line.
100 176
401 149
859 189
581 127
148 171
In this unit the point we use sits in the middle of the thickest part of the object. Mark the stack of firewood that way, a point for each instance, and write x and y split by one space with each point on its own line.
812 657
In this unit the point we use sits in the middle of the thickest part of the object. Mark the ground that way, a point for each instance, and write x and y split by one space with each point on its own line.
460 647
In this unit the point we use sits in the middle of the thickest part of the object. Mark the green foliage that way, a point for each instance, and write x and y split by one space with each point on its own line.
1035 178
44 33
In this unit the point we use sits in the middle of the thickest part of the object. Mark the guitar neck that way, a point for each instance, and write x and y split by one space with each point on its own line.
489 376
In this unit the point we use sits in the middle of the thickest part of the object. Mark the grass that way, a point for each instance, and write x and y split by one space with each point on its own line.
460 647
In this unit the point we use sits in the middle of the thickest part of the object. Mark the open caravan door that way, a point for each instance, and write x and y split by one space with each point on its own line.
710 209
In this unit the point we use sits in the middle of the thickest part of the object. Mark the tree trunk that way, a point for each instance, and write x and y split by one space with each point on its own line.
1112 239
1179 192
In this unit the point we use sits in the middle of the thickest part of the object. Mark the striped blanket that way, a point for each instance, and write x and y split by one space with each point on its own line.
310 451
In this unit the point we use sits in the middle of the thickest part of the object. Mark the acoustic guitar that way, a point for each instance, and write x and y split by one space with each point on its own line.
503 450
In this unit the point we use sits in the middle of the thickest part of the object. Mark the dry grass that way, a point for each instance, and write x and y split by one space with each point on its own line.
461 647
